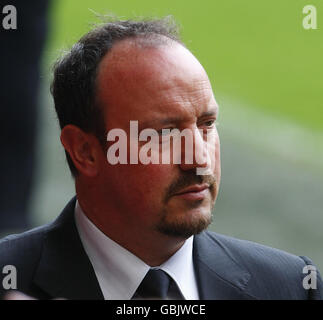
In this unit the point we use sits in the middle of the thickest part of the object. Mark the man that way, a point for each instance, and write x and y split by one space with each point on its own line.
136 230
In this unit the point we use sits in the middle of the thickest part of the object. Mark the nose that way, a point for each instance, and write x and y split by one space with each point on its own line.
195 153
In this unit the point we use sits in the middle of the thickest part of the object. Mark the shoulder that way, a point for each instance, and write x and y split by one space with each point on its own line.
22 252
271 270
24 249
252 253
26 243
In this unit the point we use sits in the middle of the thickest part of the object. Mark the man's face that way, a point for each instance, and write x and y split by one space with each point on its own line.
161 88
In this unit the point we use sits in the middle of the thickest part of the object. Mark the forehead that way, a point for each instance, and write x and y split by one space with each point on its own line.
149 83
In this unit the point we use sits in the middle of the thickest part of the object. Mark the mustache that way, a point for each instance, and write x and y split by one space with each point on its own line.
187 180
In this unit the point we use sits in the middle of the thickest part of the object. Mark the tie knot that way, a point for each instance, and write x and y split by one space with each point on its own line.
154 285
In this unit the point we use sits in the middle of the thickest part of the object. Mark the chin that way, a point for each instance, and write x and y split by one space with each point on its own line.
185 224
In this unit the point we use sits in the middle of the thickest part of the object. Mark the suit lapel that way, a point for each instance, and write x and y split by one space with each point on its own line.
219 275
64 269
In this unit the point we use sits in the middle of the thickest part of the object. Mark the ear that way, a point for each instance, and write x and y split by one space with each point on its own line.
83 149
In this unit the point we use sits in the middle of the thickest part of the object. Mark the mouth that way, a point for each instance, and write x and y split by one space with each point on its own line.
194 192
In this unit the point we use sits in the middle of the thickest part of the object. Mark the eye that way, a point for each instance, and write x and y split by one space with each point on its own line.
209 123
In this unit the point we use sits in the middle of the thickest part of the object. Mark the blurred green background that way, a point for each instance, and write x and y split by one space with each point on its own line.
266 71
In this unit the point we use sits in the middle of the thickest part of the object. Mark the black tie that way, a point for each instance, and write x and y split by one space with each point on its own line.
156 285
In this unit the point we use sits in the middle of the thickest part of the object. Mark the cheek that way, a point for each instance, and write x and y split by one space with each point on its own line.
153 180
140 186
150 183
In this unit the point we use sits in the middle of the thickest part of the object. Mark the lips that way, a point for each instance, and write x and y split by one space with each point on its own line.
194 192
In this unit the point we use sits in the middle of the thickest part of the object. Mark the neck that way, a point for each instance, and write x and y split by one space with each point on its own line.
151 246
151 250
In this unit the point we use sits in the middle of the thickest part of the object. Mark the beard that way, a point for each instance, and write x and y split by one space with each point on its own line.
183 227
183 224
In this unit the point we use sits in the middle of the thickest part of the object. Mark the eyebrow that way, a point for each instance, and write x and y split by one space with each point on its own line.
209 113
213 112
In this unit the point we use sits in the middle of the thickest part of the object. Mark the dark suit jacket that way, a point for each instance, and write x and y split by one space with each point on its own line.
51 262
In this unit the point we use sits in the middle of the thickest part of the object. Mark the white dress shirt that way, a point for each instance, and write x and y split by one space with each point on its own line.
119 272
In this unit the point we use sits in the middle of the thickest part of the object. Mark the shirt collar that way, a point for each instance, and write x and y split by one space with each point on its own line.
119 272
180 267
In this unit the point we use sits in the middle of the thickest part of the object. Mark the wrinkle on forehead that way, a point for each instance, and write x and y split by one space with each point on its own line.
143 84
128 67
